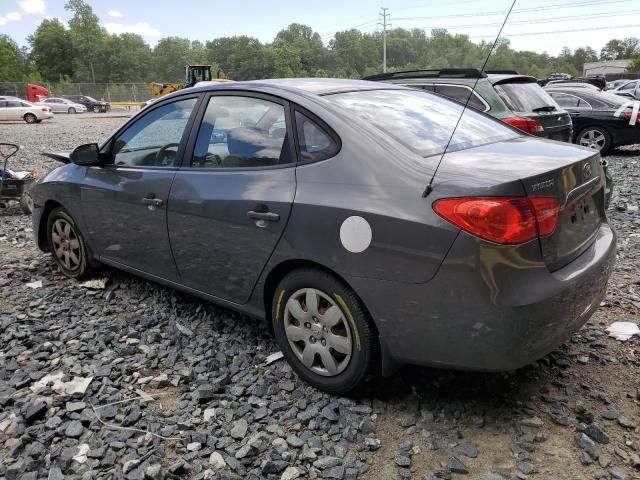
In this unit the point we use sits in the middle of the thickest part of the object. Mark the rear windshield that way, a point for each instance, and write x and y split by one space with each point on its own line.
524 97
422 121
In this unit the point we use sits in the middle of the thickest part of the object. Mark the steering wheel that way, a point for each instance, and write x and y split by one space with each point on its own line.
164 160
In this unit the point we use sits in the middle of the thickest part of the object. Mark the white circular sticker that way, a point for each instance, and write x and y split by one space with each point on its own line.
355 234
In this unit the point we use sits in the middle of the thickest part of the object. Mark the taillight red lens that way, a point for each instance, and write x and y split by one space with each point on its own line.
628 116
527 125
503 220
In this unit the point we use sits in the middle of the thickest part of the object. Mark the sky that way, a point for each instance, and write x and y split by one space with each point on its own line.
538 25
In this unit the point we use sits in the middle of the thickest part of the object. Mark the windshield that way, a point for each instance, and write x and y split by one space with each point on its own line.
525 97
91 99
423 121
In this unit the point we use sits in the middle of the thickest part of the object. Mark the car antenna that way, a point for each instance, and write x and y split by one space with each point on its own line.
429 187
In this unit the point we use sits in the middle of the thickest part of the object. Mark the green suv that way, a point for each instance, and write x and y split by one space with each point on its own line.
513 98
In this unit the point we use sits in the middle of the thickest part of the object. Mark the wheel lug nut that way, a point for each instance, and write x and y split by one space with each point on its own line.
324 342
307 325
312 339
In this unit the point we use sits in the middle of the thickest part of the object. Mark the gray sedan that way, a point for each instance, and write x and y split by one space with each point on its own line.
326 208
62 105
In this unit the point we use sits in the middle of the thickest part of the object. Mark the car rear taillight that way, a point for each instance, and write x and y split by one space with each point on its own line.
629 114
527 125
503 220
44 109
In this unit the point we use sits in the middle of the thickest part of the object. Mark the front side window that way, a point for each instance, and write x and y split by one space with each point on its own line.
153 140
315 143
241 132
421 121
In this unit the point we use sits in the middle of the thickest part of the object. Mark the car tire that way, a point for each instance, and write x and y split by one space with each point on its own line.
71 110
597 138
30 118
67 245
347 328
26 203
96 109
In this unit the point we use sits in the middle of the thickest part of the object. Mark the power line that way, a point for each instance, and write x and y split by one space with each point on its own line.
521 10
550 20
560 31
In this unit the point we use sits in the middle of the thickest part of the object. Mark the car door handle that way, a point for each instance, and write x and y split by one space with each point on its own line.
265 216
156 202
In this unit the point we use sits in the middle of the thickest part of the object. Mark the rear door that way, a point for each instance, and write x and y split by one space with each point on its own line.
230 202
124 202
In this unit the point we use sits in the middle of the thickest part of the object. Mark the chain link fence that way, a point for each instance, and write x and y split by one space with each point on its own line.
110 92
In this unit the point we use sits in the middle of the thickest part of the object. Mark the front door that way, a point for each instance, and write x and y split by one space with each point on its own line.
125 201
230 202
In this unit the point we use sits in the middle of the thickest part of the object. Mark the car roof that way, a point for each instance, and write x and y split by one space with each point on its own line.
497 79
318 86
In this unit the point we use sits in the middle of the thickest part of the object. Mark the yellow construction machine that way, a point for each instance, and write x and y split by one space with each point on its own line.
192 73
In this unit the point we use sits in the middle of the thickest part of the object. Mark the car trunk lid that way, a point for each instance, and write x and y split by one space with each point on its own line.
573 175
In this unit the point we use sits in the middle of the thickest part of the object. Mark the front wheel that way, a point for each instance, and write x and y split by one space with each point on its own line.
30 118
595 137
96 109
72 110
67 245
324 332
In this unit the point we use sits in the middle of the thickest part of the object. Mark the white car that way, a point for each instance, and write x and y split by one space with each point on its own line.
23 110
62 105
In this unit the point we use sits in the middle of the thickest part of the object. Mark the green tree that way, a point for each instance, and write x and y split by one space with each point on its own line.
615 49
128 58
87 37
52 50
170 56
13 64
242 58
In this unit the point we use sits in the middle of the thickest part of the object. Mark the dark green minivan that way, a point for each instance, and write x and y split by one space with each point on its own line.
513 98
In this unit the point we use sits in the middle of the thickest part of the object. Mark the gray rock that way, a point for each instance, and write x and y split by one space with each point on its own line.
596 434
239 429
327 462
618 473
467 449
35 411
625 422
75 406
403 461
457 466
74 429
295 441
216 461
336 473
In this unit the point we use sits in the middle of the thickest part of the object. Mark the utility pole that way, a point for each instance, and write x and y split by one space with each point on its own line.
384 15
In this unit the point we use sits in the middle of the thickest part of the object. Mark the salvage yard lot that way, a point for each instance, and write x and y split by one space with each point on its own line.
194 375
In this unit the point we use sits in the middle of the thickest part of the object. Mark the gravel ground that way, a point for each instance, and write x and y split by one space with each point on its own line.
139 381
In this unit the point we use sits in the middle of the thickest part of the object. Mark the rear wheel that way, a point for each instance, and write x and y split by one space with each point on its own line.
71 110
324 332
30 118
67 245
96 109
595 137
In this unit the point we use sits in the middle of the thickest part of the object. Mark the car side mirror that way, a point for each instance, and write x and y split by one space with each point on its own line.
87 155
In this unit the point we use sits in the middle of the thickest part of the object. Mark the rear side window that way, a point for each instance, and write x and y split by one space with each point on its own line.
524 97
461 94
315 143
569 101
423 122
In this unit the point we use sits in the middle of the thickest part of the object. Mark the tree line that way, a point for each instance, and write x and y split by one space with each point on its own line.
86 52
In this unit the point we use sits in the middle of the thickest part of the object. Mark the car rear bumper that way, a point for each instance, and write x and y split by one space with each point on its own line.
489 310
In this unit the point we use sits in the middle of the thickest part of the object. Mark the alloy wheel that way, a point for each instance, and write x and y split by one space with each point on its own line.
66 244
593 139
318 332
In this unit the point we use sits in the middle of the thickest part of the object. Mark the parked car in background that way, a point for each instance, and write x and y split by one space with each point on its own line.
595 124
515 99
23 110
301 201
616 83
62 105
562 83
597 82
91 103
630 89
